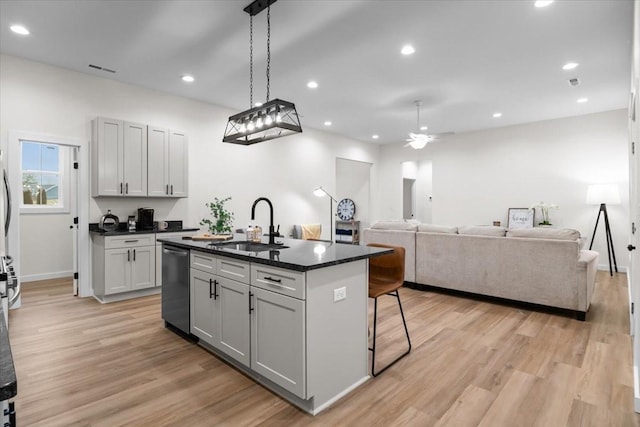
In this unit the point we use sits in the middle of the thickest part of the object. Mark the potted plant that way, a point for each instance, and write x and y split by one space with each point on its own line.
222 218
544 209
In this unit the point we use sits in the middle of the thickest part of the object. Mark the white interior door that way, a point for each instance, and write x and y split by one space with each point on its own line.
73 207
633 274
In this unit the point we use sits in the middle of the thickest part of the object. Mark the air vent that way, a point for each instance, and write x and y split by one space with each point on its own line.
97 67
574 82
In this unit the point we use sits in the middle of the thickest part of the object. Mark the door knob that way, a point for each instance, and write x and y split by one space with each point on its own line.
631 248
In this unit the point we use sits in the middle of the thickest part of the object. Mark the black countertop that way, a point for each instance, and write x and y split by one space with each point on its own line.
299 255
172 227
8 381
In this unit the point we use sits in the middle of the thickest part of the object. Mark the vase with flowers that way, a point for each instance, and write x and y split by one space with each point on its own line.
544 209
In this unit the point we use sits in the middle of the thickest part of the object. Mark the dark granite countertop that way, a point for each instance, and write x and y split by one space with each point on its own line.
172 227
299 255
8 381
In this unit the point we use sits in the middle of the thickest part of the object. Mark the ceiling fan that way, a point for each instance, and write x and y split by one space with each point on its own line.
419 140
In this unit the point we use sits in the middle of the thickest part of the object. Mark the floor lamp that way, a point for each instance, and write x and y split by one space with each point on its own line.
602 194
321 192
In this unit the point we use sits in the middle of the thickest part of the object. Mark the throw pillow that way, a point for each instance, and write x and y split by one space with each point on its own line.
482 230
544 233
432 228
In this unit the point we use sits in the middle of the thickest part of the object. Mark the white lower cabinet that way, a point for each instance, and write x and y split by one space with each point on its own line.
278 339
261 329
234 320
123 264
204 307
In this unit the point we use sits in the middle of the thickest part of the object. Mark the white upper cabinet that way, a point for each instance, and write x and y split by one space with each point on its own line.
167 163
119 157
136 160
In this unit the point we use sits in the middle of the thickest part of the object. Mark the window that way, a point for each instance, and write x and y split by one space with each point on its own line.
43 178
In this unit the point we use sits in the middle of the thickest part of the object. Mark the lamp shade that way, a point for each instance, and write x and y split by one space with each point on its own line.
603 193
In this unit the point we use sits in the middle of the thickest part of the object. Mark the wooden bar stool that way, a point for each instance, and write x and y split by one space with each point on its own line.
386 276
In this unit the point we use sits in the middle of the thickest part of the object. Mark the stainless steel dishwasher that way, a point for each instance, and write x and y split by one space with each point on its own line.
175 288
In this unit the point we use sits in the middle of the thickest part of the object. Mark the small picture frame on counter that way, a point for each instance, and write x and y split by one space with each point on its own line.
520 218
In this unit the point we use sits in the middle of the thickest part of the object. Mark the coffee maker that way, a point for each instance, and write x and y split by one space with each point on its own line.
145 219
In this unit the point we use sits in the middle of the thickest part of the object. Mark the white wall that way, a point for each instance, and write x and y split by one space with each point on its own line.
45 99
353 182
477 176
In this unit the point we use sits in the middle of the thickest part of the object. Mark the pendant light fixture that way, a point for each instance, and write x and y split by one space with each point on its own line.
273 119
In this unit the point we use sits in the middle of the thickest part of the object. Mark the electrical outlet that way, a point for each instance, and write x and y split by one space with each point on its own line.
339 294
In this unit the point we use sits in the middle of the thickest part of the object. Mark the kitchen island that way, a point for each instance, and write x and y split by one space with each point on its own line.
292 316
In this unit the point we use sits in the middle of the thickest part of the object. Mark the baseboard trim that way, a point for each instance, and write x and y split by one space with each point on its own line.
605 267
579 315
45 276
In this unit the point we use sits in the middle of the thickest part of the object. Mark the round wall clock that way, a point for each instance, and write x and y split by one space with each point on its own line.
346 209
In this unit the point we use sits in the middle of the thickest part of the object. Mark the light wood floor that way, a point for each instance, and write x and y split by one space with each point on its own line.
80 363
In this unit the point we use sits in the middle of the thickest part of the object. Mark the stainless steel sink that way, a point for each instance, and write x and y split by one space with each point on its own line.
248 246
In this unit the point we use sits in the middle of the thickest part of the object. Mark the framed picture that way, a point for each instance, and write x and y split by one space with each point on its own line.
521 218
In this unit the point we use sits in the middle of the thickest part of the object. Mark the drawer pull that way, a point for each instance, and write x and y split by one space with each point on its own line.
130 241
272 279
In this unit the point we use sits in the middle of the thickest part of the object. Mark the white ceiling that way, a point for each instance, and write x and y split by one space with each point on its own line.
473 58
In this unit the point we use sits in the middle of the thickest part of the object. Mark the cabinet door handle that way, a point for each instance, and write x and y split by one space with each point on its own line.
272 279
120 188
134 254
128 255
172 189
167 190
213 289
250 306
126 188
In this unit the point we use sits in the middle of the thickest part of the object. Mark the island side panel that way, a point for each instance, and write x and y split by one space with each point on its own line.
337 355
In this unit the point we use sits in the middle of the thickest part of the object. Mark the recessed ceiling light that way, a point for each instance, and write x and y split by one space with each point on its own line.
187 78
496 115
542 3
582 100
312 85
19 29
327 123
408 50
375 136
423 128
569 65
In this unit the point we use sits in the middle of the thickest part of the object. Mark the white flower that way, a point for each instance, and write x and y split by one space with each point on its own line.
544 208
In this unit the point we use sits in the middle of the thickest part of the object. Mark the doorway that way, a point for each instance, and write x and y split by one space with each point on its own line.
408 198
45 236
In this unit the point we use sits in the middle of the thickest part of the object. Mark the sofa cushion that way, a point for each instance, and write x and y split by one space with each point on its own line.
394 225
544 233
432 228
482 230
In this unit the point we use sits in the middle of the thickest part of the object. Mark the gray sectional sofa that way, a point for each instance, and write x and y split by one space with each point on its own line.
542 266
